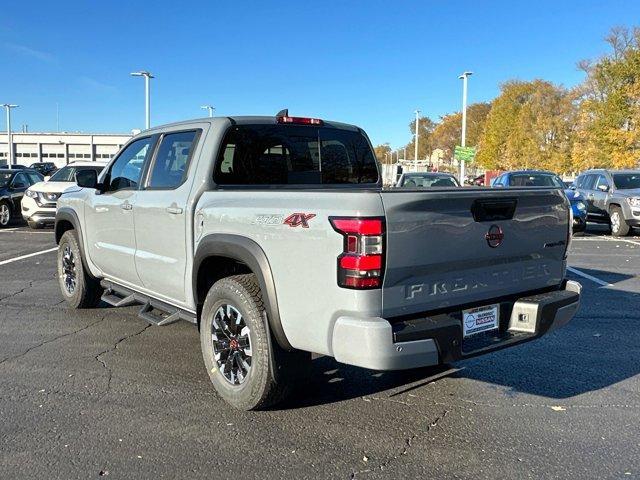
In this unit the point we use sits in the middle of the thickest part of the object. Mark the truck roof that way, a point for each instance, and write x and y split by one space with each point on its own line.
246 120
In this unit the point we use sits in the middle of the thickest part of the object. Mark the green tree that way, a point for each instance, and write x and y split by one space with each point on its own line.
425 140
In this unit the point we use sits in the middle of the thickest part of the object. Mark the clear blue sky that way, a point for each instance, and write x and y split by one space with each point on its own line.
365 62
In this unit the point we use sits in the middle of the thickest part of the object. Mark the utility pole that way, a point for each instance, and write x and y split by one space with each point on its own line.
210 108
8 107
464 77
147 95
415 160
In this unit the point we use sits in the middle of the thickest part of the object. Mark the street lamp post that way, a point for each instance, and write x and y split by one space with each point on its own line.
415 160
464 77
8 107
147 100
210 108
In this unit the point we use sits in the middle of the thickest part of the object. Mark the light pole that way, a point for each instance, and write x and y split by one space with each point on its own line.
210 108
147 101
415 160
8 107
464 77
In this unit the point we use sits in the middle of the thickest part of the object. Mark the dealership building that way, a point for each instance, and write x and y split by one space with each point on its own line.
60 148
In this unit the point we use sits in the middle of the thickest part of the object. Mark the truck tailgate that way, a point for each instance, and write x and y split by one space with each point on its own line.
453 247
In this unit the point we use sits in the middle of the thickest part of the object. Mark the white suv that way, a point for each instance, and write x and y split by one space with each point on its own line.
40 200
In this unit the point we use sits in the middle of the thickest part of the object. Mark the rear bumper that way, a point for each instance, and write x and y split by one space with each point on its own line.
379 344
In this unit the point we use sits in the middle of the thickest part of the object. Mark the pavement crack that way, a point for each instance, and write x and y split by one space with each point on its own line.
408 441
46 342
18 292
113 348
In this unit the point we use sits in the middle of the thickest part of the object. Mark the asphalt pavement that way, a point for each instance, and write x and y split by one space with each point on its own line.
85 394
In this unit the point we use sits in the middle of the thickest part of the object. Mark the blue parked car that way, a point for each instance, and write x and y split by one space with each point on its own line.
542 178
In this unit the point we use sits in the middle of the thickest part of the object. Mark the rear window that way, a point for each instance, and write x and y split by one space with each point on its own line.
429 181
294 155
534 180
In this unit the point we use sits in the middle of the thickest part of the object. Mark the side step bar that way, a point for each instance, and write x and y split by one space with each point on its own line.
156 312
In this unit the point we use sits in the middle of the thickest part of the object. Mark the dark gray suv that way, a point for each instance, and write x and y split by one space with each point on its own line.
612 197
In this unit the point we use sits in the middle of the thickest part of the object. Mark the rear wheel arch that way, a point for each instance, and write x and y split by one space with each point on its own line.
222 255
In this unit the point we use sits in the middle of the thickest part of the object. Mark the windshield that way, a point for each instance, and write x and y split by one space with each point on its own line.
535 180
294 155
68 174
5 178
429 181
626 181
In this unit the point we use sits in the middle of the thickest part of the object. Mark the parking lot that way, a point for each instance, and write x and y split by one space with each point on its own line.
99 392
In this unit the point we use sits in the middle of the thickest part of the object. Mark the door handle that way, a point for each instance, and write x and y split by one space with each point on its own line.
126 206
174 210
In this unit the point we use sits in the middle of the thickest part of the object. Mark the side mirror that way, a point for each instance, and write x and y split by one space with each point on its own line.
603 188
87 179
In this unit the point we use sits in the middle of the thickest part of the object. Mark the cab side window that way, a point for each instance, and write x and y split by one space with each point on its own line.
20 181
589 182
34 178
601 181
172 161
126 170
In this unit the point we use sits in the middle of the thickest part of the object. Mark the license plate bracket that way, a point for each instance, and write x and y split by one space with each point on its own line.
480 319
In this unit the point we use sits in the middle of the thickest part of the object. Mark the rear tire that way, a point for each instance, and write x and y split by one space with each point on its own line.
619 227
78 287
5 214
245 364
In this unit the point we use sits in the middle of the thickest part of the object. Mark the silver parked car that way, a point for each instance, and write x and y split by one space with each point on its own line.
613 197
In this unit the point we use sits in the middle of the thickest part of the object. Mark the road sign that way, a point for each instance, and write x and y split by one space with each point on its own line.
465 154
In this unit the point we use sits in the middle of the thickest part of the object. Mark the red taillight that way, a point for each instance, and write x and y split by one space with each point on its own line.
361 263
300 120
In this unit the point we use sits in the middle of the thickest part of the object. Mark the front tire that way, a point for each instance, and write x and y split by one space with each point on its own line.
619 227
246 366
78 287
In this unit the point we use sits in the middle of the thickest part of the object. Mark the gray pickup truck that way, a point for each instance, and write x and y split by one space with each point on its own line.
275 236
613 197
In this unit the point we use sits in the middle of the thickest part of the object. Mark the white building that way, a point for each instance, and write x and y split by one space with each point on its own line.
60 148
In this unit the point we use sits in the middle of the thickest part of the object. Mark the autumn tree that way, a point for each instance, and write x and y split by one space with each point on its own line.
608 119
383 153
448 133
530 125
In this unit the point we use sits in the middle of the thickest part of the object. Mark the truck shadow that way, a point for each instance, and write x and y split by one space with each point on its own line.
331 382
598 349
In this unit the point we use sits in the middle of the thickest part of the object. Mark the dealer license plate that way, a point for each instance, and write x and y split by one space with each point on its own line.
481 319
